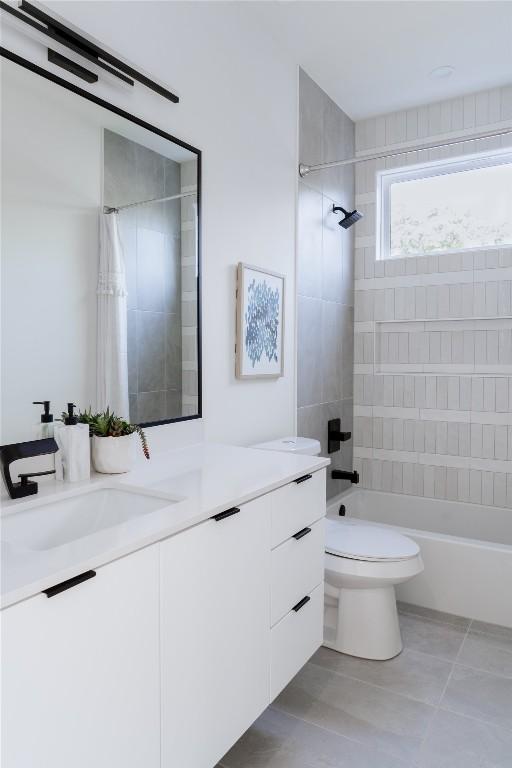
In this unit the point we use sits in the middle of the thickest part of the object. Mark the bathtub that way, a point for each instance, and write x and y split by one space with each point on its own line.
466 549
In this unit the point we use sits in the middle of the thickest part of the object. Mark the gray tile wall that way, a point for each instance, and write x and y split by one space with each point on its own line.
151 239
433 334
325 275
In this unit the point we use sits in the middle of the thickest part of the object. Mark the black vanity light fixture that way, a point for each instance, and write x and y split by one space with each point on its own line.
38 19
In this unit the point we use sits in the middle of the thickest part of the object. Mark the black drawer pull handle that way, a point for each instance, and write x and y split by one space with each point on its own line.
300 534
227 513
301 603
303 479
58 588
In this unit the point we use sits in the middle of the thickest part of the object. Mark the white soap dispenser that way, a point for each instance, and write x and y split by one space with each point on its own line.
73 441
46 424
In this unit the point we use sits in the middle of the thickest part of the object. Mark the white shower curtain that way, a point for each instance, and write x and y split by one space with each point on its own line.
112 352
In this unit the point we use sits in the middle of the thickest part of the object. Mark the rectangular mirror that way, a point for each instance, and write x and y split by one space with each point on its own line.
100 260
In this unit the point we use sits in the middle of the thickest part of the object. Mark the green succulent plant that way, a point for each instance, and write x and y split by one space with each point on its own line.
107 424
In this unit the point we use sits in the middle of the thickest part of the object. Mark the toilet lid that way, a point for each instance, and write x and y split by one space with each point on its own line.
359 540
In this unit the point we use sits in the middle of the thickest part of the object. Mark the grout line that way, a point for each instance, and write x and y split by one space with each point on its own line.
365 744
379 687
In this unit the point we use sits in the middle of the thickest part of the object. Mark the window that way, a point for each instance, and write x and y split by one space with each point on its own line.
438 208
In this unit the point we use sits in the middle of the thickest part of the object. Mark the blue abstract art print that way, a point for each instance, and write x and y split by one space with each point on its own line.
259 349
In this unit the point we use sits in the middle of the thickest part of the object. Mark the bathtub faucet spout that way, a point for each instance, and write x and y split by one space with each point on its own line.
341 474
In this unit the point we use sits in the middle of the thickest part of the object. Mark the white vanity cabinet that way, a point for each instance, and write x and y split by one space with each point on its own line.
215 609
80 672
166 656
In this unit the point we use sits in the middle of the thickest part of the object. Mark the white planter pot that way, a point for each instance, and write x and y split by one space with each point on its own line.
113 455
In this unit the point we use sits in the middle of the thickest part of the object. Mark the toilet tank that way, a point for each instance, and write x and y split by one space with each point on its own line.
299 445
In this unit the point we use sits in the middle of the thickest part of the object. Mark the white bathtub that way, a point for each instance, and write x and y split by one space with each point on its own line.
466 548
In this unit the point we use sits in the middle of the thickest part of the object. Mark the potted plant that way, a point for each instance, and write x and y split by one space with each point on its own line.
112 441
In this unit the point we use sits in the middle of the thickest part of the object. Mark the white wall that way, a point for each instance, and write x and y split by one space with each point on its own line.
50 206
238 105
436 419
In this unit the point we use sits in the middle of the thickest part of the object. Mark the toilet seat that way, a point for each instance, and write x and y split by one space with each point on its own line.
358 540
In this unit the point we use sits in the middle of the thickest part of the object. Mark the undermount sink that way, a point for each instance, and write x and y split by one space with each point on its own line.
52 524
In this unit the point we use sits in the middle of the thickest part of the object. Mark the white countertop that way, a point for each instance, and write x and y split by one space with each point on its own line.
204 478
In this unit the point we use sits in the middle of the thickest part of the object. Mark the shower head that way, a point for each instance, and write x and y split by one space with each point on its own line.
349 218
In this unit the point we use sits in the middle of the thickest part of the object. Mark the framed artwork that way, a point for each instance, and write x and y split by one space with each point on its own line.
259 323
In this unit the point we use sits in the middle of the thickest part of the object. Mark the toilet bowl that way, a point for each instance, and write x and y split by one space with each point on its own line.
363 562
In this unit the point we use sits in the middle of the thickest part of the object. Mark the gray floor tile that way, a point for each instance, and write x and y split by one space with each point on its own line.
493 653
277 740
411 674
378 718
479 694
429 613
433 637
460 742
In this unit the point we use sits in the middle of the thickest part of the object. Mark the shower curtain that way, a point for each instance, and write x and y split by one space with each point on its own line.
112 351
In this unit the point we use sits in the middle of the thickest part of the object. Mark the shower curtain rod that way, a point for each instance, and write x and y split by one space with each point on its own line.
304 169
108 209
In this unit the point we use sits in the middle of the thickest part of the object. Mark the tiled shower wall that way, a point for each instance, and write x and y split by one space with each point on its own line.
433 334
151 240
325 276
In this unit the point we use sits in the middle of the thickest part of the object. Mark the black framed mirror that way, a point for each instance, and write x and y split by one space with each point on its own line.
101 254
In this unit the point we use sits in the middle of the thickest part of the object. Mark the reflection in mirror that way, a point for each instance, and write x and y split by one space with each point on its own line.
99 261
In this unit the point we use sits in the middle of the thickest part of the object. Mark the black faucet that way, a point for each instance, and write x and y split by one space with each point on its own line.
335 436
28 450
341 474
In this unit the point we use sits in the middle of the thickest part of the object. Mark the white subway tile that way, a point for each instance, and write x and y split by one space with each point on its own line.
465 393
502 395
408 392
464 439
419 437
504 298
442 392
463 484
457 346
468 340
432 301
440 482
377 432
488 488
475 486
397 480
408 478
386 475
451 484
434 347
419 392
500 489
505 346
453 438
476 440
430 392
387 434
446 347
441 437
501 442
430 436
398 391
479 299
455 300
509 491
477 394
488 441
409 426
480 347
398 434
429 481
491 299
489 394
443 307
388 391
453 393
467 298
492 347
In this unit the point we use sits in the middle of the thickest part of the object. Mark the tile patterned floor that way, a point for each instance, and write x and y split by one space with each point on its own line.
444 702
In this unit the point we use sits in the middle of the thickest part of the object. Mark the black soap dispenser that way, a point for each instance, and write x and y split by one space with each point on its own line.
45 426
70 419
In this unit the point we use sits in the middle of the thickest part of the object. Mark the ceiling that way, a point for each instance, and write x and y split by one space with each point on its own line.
375 57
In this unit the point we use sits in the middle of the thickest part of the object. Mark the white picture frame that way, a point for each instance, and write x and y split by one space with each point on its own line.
259 323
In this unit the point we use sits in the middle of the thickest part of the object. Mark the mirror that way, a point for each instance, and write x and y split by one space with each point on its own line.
100 260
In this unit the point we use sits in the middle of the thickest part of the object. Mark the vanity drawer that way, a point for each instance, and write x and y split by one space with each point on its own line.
296 505
297 568
295 639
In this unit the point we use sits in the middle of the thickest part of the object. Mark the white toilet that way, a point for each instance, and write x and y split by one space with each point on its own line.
363 562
